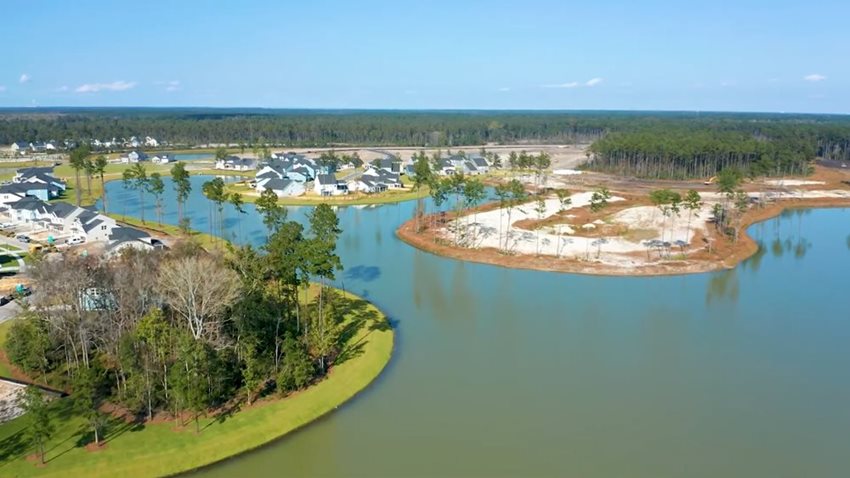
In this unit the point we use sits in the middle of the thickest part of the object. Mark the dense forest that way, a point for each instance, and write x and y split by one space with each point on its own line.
184 331
647 144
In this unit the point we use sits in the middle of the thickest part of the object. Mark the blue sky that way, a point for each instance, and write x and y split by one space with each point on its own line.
671 55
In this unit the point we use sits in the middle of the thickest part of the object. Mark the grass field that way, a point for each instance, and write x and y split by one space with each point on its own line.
4 369
141 450
205 240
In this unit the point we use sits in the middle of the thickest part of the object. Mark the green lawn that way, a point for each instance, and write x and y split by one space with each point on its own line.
205 240
4 369
7 260
159 449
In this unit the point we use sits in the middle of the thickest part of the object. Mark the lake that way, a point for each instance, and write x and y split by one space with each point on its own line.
501 372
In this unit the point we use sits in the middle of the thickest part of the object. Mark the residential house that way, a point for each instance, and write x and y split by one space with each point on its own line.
390 164
327 185
282 187
151 142
38 146
162 159
481 163
42 175
10 193
367 184
134 157
375 180
26 210
122 238
14 192
19 147
51 145
235 163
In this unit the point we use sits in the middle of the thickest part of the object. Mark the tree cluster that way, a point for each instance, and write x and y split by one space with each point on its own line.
185 331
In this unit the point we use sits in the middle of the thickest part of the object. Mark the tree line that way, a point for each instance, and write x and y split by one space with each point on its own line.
680 151
185 331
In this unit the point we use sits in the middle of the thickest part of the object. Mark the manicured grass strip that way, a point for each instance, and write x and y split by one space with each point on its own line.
158 449
205 240
4 369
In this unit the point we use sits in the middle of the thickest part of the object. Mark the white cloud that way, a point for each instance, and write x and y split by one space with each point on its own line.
504 88
575 84
572 84
114 86
814 77
24 78
172 85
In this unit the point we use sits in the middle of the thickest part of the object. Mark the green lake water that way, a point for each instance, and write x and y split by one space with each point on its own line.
502 372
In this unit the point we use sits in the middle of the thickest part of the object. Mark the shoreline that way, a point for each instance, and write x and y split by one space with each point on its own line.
742 250
256 425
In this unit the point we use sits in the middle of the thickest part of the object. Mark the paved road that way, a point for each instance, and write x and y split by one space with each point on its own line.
9 311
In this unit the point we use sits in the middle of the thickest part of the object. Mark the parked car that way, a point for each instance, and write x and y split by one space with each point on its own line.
6 225
23 238
76 240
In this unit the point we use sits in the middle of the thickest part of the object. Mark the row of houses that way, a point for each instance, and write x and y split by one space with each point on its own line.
22 147
137 156
471 165
133 142
288 173
24 202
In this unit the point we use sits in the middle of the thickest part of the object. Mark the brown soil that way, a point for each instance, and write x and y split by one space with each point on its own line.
92 448
724 254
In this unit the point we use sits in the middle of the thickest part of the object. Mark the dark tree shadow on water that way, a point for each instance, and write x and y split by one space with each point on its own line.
363 273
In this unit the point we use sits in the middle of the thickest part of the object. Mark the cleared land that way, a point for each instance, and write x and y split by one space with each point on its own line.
630 236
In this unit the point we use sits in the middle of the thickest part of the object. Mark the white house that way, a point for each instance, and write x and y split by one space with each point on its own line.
50 146
327 185
134 157
19 147
235 163
161 159
151 142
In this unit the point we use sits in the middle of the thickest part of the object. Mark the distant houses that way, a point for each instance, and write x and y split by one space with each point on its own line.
235 163
134 156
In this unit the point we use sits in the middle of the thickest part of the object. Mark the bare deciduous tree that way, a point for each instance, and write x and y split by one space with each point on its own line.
199 289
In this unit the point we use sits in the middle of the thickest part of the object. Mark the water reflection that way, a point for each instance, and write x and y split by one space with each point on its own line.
505 372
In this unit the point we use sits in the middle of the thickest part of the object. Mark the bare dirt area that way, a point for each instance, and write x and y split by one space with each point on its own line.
564 156
10 400
630 236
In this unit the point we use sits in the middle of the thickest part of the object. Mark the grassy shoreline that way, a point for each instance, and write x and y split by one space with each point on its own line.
162 449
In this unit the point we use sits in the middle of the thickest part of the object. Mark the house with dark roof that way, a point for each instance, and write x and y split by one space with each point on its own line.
19 147
134 157
123 238
235 163
284 187
26 210
327 185
390 164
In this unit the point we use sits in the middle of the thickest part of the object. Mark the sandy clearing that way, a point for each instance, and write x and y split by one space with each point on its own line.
792 182
10 400
492 229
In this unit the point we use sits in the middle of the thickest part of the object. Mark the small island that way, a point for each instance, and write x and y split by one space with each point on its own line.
588 222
